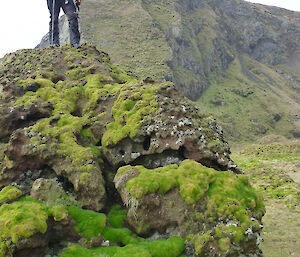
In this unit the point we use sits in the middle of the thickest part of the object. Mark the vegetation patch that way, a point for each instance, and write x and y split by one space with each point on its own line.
9 193
245 103
133 106
21 219
172 247
273 169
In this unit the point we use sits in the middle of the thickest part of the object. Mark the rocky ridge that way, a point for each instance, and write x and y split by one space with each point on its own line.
79 135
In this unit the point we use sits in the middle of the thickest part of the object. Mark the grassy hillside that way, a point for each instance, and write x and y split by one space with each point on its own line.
274 170
250 104
127 32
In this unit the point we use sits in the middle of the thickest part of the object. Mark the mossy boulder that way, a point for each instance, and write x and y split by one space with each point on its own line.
219 212
27 226
9 193
71 123
73 111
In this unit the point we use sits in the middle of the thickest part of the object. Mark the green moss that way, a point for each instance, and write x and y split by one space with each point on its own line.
200 240
116 216
120 75
226 195
231 195
120 235
22 219
9 193
165 248
88 223
87 133
195 181
192 178
59 212
159 248
64 127
79 73
79 251
130 111
92 224
224 244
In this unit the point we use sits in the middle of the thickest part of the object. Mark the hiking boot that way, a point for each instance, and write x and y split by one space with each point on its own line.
76 46
55 45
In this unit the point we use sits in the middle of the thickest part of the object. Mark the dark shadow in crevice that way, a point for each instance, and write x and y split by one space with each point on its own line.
57 78
66 184
153 161
146 143
99 143
5 139
112 194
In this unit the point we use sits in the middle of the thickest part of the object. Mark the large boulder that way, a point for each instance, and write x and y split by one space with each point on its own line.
218 212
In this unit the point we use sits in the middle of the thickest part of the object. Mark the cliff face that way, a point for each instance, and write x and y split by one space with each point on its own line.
197 44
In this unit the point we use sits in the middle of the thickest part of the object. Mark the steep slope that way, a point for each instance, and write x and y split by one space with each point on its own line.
246 55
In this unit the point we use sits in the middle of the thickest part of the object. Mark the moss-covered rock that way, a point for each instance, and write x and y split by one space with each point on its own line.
60 105
69 120
24 224
207 206
9 193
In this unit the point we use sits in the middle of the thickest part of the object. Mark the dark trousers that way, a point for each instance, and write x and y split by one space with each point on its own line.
69 9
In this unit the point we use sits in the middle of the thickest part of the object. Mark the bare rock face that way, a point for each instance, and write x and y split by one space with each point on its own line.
71 124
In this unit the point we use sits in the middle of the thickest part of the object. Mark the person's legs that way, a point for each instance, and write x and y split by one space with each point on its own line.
54 14
72 15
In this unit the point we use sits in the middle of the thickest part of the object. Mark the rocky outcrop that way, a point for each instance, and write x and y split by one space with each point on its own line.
71 122
131 122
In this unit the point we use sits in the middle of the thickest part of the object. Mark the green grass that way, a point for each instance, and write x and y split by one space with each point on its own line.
172 247
269 168
125 30
274 170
